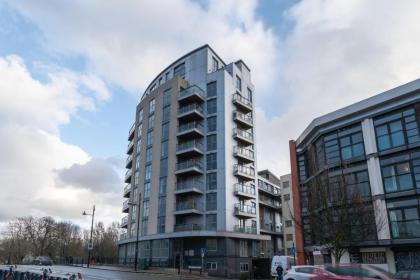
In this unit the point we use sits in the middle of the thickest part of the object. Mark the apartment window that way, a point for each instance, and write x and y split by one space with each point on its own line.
133 231
397 177
352 146
211 265
167 76
215 64
139 130
211 89
249 95
238 83
144 227
165 131
138 146
211 201
211 222
243 267
404 217
153 87
166 115
133 214
396 130
149 155
167 98
211 106
149 138
145 209
243 248
164 148
140 116
164 167
152 106
136 178
161 224
211 244
289 237
211 161
285 184
137 162
160 80
136 195
147 190
151 122
162 185
286 197
211 142
180 70
211 124
162 206
302 167
288 223
211 181
148 172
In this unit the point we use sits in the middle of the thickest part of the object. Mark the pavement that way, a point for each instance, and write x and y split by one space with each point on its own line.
111 273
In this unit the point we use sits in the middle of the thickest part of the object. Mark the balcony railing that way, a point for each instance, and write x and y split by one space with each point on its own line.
241 188
130 147
193 91
189 205
124 221
128 174
189 184
268 188
246 229
190 108
271 203
240 169
271 228
246 118
187 227
190 126
246 209
131 132
237 132
244 152
127 190
123 236
240 100
405 229
191 163
189 145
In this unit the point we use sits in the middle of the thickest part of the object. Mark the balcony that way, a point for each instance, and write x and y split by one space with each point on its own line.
276 205
191 111
126 206
128 176
131 132
123 236
124 222
191 94
243 136
189 167
187 227
130 147
241 102
244 191
247 229
191 207
244 120
127 190
129 162
193 186
269 228
190 130
190 148
244 211
268 189
244 154
244 172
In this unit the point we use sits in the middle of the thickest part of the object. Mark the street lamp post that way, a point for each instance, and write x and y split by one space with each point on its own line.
90 245
136 252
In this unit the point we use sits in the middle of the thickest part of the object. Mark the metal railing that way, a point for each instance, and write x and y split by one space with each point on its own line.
190 108
189 205
123 236
239 98
247 170
124 221
272 228
131 131
128 173
242 208
190 145
189 126
243 133
244 117
127 188
272 203
244 152
191 163
130 145
245 229
193 90
244 189
187 227
129 158
189 184
269 188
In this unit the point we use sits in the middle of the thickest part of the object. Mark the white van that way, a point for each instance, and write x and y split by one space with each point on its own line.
286 263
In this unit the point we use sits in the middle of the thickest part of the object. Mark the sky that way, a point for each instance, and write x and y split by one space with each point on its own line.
72 72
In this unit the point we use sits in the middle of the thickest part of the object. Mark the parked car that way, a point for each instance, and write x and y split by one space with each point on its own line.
408 275
43 260
352 272
301 272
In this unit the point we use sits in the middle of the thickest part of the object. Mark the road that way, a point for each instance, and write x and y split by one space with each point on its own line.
99 274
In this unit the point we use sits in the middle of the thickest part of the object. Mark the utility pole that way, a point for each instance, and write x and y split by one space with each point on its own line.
90 245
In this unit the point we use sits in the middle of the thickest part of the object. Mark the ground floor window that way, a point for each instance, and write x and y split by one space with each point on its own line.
243 248
243 267
211 265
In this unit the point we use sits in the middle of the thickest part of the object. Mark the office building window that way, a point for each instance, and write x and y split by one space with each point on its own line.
137 162
162 185
243 248
166 115
136 178
288 223
164 149
152 106
286 197
352 146
165 131
302 167
211 222
211 161
211 181
396 129
180 70
149 138
215 64
397 177
404 218
140 116
344 145
211 201
238 83
211 142
211 89
211 124
151 122
357 183
211 106
167 98
146 190
148 172
161 224
149 155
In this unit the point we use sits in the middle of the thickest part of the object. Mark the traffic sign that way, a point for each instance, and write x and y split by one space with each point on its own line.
203 252
292 250
90 246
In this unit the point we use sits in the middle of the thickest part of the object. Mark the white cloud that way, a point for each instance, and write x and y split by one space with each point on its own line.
31 113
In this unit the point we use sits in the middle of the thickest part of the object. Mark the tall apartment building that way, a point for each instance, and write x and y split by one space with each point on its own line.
191 168
373 146
287 215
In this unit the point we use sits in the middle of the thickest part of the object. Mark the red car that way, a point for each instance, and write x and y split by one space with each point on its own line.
351 272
